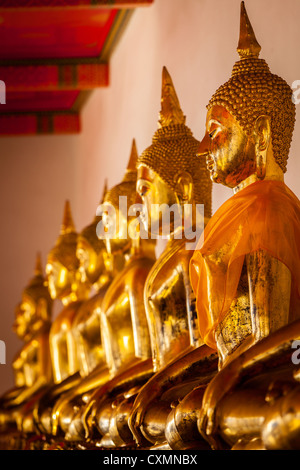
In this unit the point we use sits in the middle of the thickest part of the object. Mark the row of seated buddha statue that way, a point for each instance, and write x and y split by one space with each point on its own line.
184 349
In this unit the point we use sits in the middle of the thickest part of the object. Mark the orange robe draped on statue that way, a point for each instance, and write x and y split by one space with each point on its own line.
263 216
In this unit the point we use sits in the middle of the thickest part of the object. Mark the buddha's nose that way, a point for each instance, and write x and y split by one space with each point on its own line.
203 148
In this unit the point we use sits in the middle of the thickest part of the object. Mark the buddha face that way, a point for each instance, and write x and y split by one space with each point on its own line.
26 316
114 220
157 198
229 152
91 264
23 315
28 307
59 280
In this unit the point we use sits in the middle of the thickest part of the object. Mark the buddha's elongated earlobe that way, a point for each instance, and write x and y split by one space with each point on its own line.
184 186
262 133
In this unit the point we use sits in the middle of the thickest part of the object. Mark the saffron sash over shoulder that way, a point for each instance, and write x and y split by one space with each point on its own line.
263 216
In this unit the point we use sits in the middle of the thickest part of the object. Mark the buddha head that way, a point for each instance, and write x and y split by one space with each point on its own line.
168 171
90 251
36 305
62 264
116 203
250 119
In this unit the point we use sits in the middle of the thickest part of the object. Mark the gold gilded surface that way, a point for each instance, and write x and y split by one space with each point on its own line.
169 175
249 127
65 284
192 350
68 408
90 252
253 92
124 327
32 365
240 148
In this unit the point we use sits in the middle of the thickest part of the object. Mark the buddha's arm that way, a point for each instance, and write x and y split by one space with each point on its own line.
28 392
263 352
269 288
71 365
52 392
57 362
138 314
198 363
84 386
136 375
5 400
18 367
63 346
87 334
90 329
91 381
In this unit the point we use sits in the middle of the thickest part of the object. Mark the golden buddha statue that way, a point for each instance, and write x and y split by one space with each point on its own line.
124 327
245 271
64 284
32 365
169 176
21 327
91 253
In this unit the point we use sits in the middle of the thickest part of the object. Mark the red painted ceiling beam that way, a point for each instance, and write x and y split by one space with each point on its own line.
54 77
34 78
74 3
33 124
